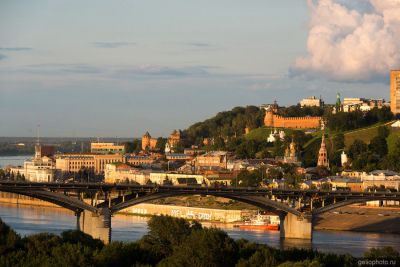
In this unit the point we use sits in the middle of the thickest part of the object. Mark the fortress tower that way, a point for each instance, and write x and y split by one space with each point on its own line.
270 111
146 140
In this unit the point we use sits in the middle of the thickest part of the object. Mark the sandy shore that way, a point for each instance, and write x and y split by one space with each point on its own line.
360 219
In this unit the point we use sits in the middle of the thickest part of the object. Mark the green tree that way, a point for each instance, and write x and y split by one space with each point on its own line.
249 178
206 247
75 237
66 255
383 131
378 145
9 239
338 141
2 174
164 233
274 173
161 143
120 254
387 253
357 148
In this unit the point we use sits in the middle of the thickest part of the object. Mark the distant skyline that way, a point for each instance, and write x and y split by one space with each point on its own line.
119 69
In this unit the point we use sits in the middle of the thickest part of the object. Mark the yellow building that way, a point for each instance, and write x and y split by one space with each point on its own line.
213 159
395 91
106 148
94 162
139 160
351 173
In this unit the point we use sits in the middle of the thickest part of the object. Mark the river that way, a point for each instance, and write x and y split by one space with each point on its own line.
13 160
27 220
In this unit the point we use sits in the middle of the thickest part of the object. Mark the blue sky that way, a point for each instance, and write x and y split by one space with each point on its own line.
120 68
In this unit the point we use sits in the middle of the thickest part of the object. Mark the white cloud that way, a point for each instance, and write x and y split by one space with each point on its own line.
357 40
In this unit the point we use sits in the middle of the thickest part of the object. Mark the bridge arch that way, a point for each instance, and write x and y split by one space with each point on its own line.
340 204
258 201
62 200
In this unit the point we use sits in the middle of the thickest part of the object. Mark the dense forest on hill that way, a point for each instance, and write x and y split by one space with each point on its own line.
344 121
226 124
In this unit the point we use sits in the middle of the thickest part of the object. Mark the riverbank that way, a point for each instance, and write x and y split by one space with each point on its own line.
360 219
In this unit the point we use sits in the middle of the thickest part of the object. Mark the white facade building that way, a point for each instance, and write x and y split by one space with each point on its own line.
275 135
311 101
121 173
343 158
37 170
176 178
380 175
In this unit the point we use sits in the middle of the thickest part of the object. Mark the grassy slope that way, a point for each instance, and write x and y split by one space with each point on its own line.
392 138
364 134
262 133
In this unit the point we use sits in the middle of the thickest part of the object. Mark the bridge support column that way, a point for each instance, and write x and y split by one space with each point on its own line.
78 220
98 225
292 226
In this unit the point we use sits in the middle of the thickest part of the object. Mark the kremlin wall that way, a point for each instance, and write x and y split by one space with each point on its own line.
271 119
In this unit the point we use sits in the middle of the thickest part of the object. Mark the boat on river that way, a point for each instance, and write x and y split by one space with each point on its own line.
267 222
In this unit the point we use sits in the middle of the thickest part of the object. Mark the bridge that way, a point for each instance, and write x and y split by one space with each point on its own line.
95 203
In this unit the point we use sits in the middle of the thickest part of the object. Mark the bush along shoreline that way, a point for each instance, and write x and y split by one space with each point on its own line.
169 242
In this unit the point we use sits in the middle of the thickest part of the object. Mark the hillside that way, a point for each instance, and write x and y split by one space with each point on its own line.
393 137
364 134
226 124
262 133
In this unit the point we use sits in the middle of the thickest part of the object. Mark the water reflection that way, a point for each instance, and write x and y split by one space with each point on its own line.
27 220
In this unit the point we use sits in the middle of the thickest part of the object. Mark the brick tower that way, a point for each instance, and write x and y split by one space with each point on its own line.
323 155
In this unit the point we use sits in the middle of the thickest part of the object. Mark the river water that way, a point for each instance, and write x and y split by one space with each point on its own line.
27 220
13 160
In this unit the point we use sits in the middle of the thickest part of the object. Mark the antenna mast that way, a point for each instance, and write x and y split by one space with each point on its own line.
38 134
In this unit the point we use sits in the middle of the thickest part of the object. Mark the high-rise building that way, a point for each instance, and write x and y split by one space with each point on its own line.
395 91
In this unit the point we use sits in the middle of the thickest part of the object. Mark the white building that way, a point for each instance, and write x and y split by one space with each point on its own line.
37 170
176 178
351 104
343 158
121 173
275 135
396 124
311 101
380 175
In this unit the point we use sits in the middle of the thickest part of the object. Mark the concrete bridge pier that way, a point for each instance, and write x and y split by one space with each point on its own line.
292 226
98 225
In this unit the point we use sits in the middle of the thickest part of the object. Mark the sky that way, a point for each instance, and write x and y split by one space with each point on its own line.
105 68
